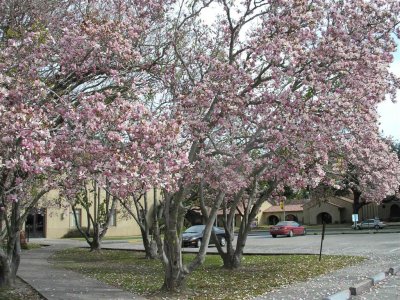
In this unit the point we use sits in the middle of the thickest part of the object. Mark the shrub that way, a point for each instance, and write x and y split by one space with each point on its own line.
74 233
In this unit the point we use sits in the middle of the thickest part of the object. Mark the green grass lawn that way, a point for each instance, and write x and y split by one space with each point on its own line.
258 274
30 246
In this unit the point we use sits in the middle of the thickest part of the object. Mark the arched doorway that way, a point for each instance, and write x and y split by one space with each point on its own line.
291 217
272 220
395 212
324 216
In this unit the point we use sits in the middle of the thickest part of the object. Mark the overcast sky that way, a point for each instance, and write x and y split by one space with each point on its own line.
390 112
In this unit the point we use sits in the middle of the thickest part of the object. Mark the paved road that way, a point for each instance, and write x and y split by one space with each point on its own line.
369 243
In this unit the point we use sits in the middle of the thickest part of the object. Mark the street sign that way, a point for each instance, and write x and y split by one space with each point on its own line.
354 217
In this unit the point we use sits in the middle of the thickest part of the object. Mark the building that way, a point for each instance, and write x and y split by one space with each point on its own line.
55 221
335 210
194 216
290 212
339 210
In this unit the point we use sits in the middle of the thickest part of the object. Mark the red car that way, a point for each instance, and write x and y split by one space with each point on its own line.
288 228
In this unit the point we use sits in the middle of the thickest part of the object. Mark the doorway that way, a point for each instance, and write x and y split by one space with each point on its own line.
394 213
35 223
324 216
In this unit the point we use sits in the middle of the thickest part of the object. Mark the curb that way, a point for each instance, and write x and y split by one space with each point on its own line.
394 270
339 296
379 277
363 286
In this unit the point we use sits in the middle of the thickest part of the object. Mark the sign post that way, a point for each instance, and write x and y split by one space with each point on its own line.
354 218
322 237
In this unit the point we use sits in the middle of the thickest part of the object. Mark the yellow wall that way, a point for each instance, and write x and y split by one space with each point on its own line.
59 218
340 209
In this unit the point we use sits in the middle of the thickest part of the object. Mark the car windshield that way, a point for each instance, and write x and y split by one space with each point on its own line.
286 223
199 229
195 229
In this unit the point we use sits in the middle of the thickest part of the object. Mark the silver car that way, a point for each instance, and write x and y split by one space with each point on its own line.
370 224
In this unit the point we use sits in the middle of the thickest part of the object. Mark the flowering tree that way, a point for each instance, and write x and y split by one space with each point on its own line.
267 94
257 101
58 59
371 173
116 148
26 144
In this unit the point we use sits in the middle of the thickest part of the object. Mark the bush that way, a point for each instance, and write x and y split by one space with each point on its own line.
74 233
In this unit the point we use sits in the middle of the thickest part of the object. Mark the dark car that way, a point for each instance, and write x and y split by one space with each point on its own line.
288 228
194 235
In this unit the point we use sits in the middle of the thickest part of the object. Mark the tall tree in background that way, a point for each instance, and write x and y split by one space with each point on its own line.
146 212
371 173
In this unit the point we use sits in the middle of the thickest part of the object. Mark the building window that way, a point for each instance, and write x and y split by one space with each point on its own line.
72 222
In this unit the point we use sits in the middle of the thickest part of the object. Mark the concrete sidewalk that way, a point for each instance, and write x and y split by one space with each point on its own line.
53 283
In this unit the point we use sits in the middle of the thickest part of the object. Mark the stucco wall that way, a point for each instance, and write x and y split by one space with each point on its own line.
59 218
280 215
339 208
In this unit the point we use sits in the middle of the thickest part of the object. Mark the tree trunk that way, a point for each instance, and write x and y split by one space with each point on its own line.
175 275
230 257
357 204
9 261
233 258
174 271
5 271
149 247
16 257
95 244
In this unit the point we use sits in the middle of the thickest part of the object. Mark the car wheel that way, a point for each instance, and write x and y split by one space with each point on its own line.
377 227
222 241
305 232
198 243
290 234
273 235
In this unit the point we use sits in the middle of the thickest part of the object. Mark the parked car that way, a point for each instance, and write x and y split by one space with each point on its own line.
369 224
288 228
193 236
